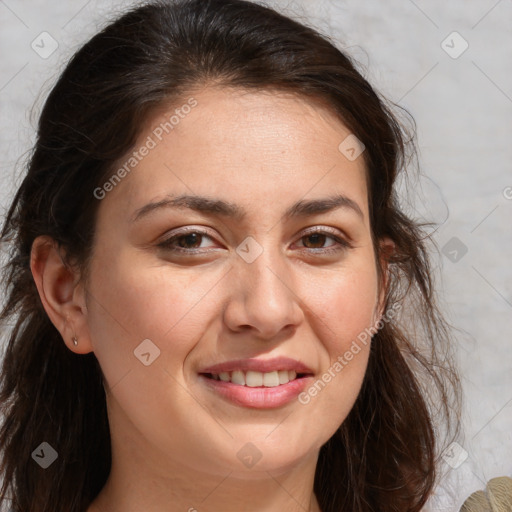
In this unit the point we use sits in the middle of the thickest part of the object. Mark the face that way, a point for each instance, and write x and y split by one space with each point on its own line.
275 261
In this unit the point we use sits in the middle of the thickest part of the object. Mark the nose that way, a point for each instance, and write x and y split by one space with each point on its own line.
263 299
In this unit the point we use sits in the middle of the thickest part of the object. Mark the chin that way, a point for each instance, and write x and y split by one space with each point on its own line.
256 460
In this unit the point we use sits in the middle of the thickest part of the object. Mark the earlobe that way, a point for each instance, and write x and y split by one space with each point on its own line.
60 293
387 249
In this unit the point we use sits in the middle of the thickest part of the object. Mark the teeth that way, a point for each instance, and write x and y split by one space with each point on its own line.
238 377
283 376
254 379
257 379
270 380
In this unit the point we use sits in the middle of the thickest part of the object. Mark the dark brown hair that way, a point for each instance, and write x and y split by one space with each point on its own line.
384 455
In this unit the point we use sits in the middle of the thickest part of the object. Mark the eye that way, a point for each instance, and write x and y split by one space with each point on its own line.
190 241
315 239
186 242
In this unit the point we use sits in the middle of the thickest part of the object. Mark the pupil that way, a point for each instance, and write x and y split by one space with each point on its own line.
316 236
189 239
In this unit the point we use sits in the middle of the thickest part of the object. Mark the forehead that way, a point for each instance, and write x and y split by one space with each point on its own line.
253 147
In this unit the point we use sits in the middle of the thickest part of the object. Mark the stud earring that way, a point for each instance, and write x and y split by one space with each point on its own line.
75 341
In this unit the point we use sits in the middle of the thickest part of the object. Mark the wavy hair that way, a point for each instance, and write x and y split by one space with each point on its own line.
384 455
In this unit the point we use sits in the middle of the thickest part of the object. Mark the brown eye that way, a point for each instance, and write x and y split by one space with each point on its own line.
189 242
316 239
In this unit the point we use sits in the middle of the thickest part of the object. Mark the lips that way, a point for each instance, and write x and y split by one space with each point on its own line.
259 397
258 365
257 383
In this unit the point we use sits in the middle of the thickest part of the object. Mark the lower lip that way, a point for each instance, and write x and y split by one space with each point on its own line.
259 397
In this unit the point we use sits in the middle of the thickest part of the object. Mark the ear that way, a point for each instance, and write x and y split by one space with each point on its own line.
387 249
62 295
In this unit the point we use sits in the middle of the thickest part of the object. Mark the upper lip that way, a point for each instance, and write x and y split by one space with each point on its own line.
258 365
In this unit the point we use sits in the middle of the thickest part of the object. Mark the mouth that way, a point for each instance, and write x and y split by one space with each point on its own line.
256 383
254 379
256 390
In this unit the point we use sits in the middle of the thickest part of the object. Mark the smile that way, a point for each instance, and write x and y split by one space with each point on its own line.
255 379
256 390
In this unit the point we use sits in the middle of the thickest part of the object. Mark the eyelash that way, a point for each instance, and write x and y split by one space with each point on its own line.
341 244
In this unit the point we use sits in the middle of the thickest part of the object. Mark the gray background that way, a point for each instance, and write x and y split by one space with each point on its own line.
463 110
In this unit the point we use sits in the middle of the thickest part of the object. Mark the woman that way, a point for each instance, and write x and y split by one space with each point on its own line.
218 304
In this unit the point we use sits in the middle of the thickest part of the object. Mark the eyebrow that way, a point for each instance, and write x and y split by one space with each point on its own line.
302 208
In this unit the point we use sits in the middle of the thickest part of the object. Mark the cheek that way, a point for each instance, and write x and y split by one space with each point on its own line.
131 301
342 302
342 311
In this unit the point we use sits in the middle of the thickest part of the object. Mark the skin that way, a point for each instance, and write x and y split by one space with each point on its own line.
174 442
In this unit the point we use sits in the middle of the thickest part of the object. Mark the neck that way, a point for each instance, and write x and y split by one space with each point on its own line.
129 489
